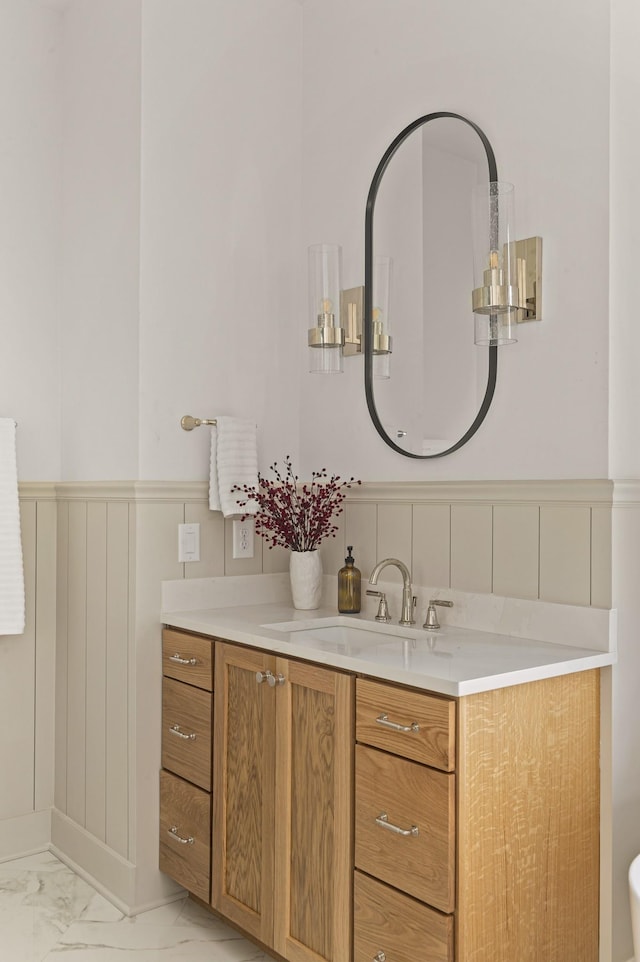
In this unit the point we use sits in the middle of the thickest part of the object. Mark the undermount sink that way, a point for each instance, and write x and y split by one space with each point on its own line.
363 641
340 632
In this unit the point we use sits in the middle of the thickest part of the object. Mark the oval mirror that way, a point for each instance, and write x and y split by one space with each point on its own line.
429 394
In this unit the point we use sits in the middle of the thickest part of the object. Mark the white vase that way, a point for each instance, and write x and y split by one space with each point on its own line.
305 571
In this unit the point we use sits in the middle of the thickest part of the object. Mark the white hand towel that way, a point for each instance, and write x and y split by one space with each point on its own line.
11 566
234 460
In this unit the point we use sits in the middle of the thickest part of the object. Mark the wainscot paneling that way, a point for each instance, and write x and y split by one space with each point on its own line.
471 547
516 550
523 539
27 687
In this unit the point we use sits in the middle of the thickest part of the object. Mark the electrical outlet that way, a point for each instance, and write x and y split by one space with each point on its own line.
243 539
188 542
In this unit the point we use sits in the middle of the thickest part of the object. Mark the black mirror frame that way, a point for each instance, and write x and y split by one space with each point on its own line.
368 291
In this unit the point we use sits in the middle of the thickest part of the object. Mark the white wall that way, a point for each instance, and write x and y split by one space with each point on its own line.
201 102
220 226
100 96
624 389
626 728
29 225
625 446
176 296
538 87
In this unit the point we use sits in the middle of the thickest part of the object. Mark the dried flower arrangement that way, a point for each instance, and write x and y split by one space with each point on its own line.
295 516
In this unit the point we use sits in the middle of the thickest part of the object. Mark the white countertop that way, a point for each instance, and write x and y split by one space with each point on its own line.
452 661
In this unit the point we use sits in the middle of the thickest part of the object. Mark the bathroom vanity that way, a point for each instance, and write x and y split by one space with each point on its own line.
349 796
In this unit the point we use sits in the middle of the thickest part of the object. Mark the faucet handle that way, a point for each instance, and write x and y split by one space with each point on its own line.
383 607
431 623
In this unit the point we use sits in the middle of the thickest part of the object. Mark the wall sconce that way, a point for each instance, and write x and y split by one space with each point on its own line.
507 272
336 336
326 338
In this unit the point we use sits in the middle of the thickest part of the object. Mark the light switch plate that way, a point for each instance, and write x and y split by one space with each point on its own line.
188 542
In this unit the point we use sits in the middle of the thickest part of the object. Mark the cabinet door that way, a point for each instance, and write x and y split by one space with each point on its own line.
243 759
314 798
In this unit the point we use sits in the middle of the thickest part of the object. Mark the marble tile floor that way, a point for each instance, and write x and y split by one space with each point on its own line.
49 914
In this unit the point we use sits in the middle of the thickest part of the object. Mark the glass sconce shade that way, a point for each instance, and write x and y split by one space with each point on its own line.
494 330
325 336
382 342
326 360
382 366
495 267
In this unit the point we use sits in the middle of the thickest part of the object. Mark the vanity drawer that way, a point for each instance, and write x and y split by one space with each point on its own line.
397 926
392 791
186 731
188 658
425 729
185 834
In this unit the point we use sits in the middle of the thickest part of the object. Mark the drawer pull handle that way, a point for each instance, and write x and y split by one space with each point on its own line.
383 821
173 832
179 660
380 957
384 720
175 730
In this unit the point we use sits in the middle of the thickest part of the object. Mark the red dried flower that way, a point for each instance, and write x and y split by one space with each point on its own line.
296 516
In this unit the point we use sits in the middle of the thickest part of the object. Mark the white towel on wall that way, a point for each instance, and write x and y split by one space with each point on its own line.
11 566
234 460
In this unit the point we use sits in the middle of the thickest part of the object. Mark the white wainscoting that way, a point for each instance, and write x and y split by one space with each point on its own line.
547 540
27 664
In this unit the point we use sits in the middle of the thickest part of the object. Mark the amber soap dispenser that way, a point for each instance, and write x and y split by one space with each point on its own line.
349 586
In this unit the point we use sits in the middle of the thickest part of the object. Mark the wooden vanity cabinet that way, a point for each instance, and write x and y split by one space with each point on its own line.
283 800
319 779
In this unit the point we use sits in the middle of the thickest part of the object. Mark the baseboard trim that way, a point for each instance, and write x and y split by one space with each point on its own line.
117 879
25 835
111 874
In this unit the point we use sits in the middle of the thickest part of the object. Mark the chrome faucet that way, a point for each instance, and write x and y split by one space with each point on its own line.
408 601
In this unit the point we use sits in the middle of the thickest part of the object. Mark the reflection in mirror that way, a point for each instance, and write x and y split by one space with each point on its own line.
437 378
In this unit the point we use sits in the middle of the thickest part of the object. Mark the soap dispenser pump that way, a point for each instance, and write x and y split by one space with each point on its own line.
349 586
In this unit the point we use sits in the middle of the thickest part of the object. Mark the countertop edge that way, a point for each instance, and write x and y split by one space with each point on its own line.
219 624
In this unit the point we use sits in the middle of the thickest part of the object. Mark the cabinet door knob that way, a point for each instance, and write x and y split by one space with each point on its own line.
274 680
264 676
380 957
